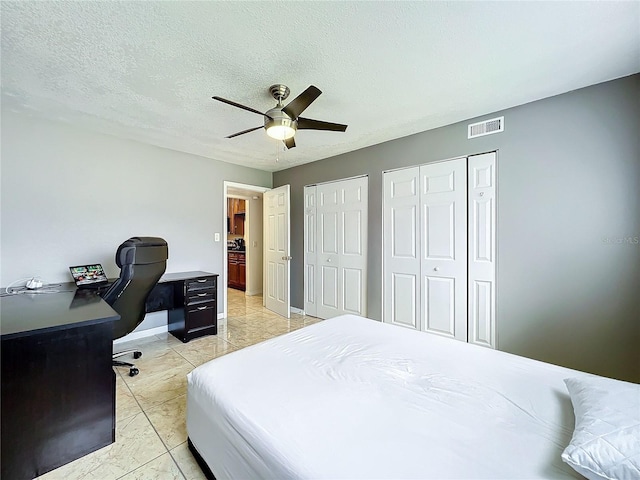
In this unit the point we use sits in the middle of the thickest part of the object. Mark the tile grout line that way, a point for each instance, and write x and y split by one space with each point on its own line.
176 461
153 459
142 410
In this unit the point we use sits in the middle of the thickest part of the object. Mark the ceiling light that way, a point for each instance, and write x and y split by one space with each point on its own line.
280 132
279 125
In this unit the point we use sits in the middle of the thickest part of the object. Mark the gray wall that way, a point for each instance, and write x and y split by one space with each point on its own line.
568 283
70 197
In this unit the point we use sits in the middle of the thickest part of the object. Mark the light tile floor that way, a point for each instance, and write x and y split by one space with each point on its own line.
151 434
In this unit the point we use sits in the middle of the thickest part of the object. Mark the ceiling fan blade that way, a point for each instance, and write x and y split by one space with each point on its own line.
290 142
298 105
309 124
244 107
245 131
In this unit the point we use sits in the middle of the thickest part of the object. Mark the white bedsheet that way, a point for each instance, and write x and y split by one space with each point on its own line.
353 398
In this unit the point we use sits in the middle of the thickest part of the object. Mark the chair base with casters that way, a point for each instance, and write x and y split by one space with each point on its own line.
133 371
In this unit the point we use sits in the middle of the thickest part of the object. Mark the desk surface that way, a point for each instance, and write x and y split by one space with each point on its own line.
26 313
174 277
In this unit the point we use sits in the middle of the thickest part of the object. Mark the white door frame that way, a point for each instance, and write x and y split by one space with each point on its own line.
225 273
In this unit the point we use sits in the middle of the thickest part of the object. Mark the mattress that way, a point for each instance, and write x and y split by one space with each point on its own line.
354 398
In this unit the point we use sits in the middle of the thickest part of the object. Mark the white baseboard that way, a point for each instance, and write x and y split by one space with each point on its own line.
148 332
251 293
135 335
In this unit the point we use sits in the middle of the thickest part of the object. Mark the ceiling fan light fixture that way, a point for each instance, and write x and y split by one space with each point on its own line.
279 125
282 123
281 132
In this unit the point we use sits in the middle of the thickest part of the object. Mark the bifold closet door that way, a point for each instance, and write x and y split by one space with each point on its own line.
482 249
425 248
336 255
310 233
443 260
439 248
401 283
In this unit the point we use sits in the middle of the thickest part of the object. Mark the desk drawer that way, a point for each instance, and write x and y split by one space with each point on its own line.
201 296
198 283
198 316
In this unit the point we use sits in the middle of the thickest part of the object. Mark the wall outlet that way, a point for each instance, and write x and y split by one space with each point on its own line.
216 237
255 243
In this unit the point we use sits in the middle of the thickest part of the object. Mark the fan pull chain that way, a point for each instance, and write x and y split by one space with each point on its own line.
280 147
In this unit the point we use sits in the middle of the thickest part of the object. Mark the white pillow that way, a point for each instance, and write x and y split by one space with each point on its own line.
606 439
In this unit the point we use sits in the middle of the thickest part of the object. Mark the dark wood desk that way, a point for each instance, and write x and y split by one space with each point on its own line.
58 387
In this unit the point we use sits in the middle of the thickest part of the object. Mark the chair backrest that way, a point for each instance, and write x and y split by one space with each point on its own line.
142 261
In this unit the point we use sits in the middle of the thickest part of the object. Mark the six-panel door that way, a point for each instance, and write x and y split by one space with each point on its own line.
277 256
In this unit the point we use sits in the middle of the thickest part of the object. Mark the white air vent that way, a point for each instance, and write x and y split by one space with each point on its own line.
487 127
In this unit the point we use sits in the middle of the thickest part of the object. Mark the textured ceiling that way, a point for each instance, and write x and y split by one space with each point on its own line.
147 70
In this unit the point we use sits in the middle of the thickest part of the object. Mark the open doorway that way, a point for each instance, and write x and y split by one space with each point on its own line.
243 252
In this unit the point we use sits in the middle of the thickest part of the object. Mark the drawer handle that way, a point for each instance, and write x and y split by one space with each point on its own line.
202 308
202 280
202 294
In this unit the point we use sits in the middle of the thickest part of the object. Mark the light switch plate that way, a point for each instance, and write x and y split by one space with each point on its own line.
216 237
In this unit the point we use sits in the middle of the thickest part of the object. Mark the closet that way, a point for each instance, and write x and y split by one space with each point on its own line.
335 248
439 230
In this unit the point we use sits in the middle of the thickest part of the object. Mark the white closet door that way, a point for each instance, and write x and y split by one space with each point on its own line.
401 267
341 250
354 200
482 249
310 306
327 287
443 206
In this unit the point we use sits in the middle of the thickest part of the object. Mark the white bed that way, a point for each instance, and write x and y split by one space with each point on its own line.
353 398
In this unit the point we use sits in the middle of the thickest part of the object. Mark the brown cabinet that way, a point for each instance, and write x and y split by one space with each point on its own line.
242 273
239 224
235 212
194 312
237 270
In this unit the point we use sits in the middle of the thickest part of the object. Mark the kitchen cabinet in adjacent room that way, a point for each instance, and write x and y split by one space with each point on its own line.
236 213
237 270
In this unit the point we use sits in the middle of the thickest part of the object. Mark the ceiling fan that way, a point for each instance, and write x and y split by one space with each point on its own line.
281 122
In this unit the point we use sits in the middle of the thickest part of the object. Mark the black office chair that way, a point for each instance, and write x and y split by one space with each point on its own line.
142 261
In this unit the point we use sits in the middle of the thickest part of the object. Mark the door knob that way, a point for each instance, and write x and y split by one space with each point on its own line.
328 260
286 257
436 269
